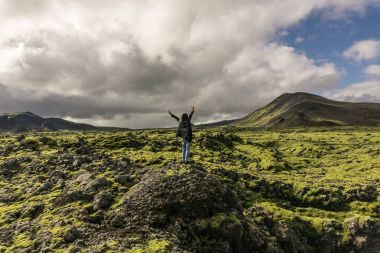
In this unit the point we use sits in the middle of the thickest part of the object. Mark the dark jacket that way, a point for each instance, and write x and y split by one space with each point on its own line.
184 128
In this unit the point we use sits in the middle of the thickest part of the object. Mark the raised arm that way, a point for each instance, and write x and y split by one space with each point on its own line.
191 114
173 116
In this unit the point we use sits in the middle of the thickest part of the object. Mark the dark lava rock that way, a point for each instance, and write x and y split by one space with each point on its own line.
83 178
364 233
95 218
88 182
30 144
205 214
20 138
9 167
133 144
123 179
159 197
361 225
71 235
72 196
216 140
84 187
48 141
57 175
97 184
275 188
6 235
77 163
7 150
44 188
84 150
125 161
367 192
233 175
323 198
32 211
8 195
103 200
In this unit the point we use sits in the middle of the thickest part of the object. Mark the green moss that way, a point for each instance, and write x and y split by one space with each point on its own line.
136 250
152 246
216 221
171 172
326 168
20 241
157 246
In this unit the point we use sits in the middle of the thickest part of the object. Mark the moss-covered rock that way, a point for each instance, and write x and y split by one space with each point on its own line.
33 210
247 190
103 200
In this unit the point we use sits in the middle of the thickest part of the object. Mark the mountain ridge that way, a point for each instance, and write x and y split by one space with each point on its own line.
305 109
28 121
297 109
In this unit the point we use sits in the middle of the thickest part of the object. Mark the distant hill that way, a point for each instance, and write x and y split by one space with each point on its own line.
216 124
27 121
304 109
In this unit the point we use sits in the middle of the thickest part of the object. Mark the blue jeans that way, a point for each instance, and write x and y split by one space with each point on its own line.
185 151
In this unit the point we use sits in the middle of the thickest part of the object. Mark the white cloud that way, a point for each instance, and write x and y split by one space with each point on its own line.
127 62
372 70
299 40
367 91
363 50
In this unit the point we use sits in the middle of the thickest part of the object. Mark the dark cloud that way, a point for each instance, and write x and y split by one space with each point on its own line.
126 63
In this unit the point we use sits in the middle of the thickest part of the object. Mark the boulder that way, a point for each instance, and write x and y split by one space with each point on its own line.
44 188
97 184
123 179
159 197
204 213
7 195
10 167
72 196
365 192
103 200
71 235
32 211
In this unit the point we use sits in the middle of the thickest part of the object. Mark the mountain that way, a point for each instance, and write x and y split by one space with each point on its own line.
304 109
216 124
27 121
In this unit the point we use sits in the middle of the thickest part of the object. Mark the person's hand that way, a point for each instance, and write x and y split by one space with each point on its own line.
193 108
169 112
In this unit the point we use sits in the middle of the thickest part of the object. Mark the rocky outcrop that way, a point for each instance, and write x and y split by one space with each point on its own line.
204 214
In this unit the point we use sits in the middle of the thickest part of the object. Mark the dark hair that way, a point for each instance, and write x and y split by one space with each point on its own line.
184 117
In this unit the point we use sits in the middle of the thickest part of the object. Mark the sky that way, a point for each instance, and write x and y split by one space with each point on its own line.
126 62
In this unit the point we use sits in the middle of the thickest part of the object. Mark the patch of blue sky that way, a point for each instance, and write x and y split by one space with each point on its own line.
324 40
